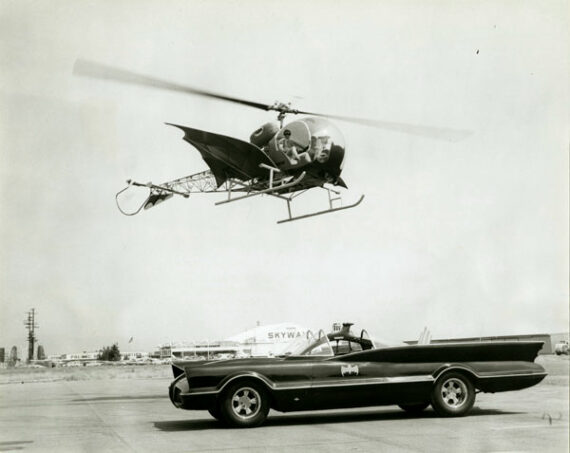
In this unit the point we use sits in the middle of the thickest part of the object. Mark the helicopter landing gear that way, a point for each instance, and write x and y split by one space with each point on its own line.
285 188
334 196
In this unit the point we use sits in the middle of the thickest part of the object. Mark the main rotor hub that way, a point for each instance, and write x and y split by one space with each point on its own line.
283 110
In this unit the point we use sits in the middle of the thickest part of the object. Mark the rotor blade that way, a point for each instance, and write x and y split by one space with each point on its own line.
448 134
87 68
100 71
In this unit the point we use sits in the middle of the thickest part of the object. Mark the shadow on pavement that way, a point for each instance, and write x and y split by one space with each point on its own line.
118 398
188 425
14 445
318 418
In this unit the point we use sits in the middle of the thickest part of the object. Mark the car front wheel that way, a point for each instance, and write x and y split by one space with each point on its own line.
245 404
453 395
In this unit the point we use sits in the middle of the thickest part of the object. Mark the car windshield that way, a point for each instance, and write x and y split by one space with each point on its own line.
310 345
334 344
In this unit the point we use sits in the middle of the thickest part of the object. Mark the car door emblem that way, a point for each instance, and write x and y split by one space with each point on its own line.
349 370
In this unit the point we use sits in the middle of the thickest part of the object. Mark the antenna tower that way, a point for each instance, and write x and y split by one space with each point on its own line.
31 325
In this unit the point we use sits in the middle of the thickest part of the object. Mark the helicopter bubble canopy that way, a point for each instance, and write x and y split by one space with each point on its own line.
316 140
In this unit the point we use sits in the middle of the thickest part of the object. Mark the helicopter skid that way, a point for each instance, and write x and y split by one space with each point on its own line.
313 214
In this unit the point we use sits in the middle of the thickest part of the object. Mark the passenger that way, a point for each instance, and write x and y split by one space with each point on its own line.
287 147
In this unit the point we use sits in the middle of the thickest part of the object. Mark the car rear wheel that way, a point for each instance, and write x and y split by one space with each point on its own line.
245 404
414 409
453 395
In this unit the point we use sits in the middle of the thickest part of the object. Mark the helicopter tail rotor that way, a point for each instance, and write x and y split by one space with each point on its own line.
130 203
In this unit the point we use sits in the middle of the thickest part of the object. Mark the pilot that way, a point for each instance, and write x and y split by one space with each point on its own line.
287 146
324 150
315 148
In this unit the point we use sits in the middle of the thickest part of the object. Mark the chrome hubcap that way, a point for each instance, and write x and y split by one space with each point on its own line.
454 392
246 403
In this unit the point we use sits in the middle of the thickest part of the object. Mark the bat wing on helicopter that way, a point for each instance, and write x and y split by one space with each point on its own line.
228 157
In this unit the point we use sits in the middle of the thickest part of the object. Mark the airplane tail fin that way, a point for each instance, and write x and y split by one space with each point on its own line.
425 336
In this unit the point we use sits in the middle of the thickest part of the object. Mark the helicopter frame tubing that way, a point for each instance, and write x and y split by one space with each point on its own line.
274 186
286 188
205 182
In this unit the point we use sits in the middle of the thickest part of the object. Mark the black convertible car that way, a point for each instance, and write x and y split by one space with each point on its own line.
341 370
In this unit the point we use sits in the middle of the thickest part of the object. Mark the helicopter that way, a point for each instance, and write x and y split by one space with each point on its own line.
280 160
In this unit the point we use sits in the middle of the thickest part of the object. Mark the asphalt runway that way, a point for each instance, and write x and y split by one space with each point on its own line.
119 415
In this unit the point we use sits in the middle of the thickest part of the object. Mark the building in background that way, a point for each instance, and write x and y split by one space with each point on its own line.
135 356
162 352
260 341
206 350
268 340
85 356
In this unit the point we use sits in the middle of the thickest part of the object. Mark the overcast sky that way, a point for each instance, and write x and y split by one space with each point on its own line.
468 238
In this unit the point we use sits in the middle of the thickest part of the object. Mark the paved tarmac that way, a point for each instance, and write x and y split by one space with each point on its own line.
121 415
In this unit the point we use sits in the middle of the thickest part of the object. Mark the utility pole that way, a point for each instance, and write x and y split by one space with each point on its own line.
30 324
